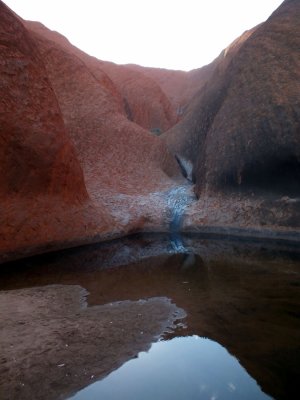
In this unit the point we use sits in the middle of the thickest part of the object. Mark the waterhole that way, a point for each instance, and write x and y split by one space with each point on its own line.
140 318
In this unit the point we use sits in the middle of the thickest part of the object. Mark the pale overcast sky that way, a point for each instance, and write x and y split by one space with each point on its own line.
174 34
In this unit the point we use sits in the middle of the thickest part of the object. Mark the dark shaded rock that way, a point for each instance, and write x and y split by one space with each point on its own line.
243 130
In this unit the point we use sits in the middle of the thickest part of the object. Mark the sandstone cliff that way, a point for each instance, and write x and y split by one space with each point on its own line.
35 154
245 123
144 100
43 197
79 153
69 154
115 153
179 86
140 98
242 130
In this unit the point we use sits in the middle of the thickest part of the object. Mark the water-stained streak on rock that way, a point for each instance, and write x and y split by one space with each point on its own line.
178 199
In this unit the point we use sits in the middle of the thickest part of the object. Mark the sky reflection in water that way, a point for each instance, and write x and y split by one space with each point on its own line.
179 369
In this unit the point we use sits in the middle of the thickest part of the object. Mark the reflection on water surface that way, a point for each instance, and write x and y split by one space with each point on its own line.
182 368
242 295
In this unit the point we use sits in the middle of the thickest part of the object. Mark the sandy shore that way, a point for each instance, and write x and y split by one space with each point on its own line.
53 344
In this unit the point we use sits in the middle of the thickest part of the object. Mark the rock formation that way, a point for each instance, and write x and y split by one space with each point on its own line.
35 154
144 101
242 131
81 160
179 86
67 147
114 152
41 183
243 128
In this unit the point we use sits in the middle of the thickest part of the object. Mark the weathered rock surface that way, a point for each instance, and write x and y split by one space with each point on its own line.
78 162
179 86
43 198
35 154
139 98
242 130
67 147
144 100
116 154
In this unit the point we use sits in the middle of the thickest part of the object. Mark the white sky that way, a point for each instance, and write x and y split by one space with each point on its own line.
174 34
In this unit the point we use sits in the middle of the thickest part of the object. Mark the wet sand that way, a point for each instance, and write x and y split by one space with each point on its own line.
53 344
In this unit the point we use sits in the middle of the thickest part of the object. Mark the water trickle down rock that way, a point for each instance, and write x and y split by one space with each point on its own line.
178 200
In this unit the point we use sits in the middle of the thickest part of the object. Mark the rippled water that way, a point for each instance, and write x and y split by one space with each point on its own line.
240 338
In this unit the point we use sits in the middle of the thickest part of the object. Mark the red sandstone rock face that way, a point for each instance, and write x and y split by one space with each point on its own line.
144 101
43 198
78 162
242 130
179 86
115 153
139 98
64 128
36 156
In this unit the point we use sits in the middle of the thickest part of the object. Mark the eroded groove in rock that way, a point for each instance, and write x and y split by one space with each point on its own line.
79 153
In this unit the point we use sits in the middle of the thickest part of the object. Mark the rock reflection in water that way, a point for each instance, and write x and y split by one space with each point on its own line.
242 295
190 368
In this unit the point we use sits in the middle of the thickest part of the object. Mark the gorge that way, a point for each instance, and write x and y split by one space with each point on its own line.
88 148
142 205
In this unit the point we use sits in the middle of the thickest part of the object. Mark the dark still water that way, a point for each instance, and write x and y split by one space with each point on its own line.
152 317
